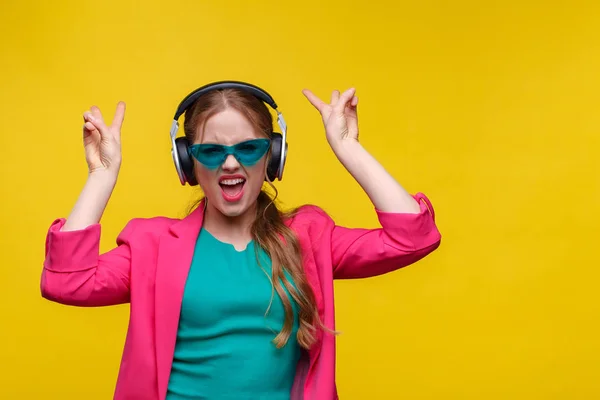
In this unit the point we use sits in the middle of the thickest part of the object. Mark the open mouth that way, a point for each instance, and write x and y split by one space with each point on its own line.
232 188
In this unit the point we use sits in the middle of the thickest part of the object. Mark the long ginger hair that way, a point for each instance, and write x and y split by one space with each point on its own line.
268 229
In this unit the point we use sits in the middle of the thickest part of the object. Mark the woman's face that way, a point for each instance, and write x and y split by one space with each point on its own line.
231 187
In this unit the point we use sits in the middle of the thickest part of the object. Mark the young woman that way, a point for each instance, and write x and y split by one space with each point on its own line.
234 301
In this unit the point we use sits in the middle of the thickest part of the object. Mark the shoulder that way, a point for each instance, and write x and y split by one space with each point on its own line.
310 213
148 228
310 220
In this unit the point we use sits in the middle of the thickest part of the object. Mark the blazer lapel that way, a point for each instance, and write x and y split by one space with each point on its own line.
175 253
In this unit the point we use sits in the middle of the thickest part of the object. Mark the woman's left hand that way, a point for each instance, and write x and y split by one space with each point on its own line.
339 116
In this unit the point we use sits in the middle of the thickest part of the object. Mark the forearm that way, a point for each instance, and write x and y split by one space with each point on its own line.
385 192
92 201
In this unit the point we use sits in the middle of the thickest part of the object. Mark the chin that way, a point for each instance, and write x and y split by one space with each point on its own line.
232 210
233 207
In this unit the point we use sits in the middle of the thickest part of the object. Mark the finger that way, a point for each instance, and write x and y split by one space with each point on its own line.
335 96
314 100
93 125
90 133
344 99
96 113
352 110
119 116
97 120
89 126
88 119
354 101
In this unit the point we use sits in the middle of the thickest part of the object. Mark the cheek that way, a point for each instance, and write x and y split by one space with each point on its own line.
256 173
204 176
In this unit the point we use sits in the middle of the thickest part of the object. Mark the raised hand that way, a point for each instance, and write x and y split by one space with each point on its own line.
339 116
102 142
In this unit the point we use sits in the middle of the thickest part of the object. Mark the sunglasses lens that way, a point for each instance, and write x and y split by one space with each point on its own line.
248 153
213 155
210 155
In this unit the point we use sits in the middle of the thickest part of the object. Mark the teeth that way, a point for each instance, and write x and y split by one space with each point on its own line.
232 181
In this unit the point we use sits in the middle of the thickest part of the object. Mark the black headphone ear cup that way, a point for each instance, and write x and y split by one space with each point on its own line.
185 160
273 167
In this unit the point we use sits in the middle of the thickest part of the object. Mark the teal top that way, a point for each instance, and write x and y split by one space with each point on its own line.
224 347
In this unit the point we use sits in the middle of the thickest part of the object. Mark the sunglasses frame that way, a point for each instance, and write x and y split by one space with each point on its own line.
263 144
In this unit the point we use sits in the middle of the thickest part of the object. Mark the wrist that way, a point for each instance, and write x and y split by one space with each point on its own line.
103 176
347 149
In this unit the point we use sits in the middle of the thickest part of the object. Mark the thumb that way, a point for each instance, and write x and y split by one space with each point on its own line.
344 99
97 123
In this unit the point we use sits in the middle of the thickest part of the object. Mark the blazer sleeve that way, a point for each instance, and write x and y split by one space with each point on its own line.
402 239
75 273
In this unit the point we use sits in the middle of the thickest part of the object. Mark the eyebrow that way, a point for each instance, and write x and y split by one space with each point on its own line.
233 144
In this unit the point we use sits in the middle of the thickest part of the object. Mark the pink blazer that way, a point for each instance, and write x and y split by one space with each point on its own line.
149 266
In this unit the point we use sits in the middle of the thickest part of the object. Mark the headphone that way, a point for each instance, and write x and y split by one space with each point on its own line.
184 164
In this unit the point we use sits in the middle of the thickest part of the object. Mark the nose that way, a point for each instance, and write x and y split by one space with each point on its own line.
231 164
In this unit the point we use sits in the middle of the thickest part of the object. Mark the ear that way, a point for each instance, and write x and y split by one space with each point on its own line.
266 167
274 155
186 161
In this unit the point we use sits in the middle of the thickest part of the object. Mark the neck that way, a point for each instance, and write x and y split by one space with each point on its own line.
230 229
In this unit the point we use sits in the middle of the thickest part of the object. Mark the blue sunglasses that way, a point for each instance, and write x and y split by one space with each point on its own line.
213 155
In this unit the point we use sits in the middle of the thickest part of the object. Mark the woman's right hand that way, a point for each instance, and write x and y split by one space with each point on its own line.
102 143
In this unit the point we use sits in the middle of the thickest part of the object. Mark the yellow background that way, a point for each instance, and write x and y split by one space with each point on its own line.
490 108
